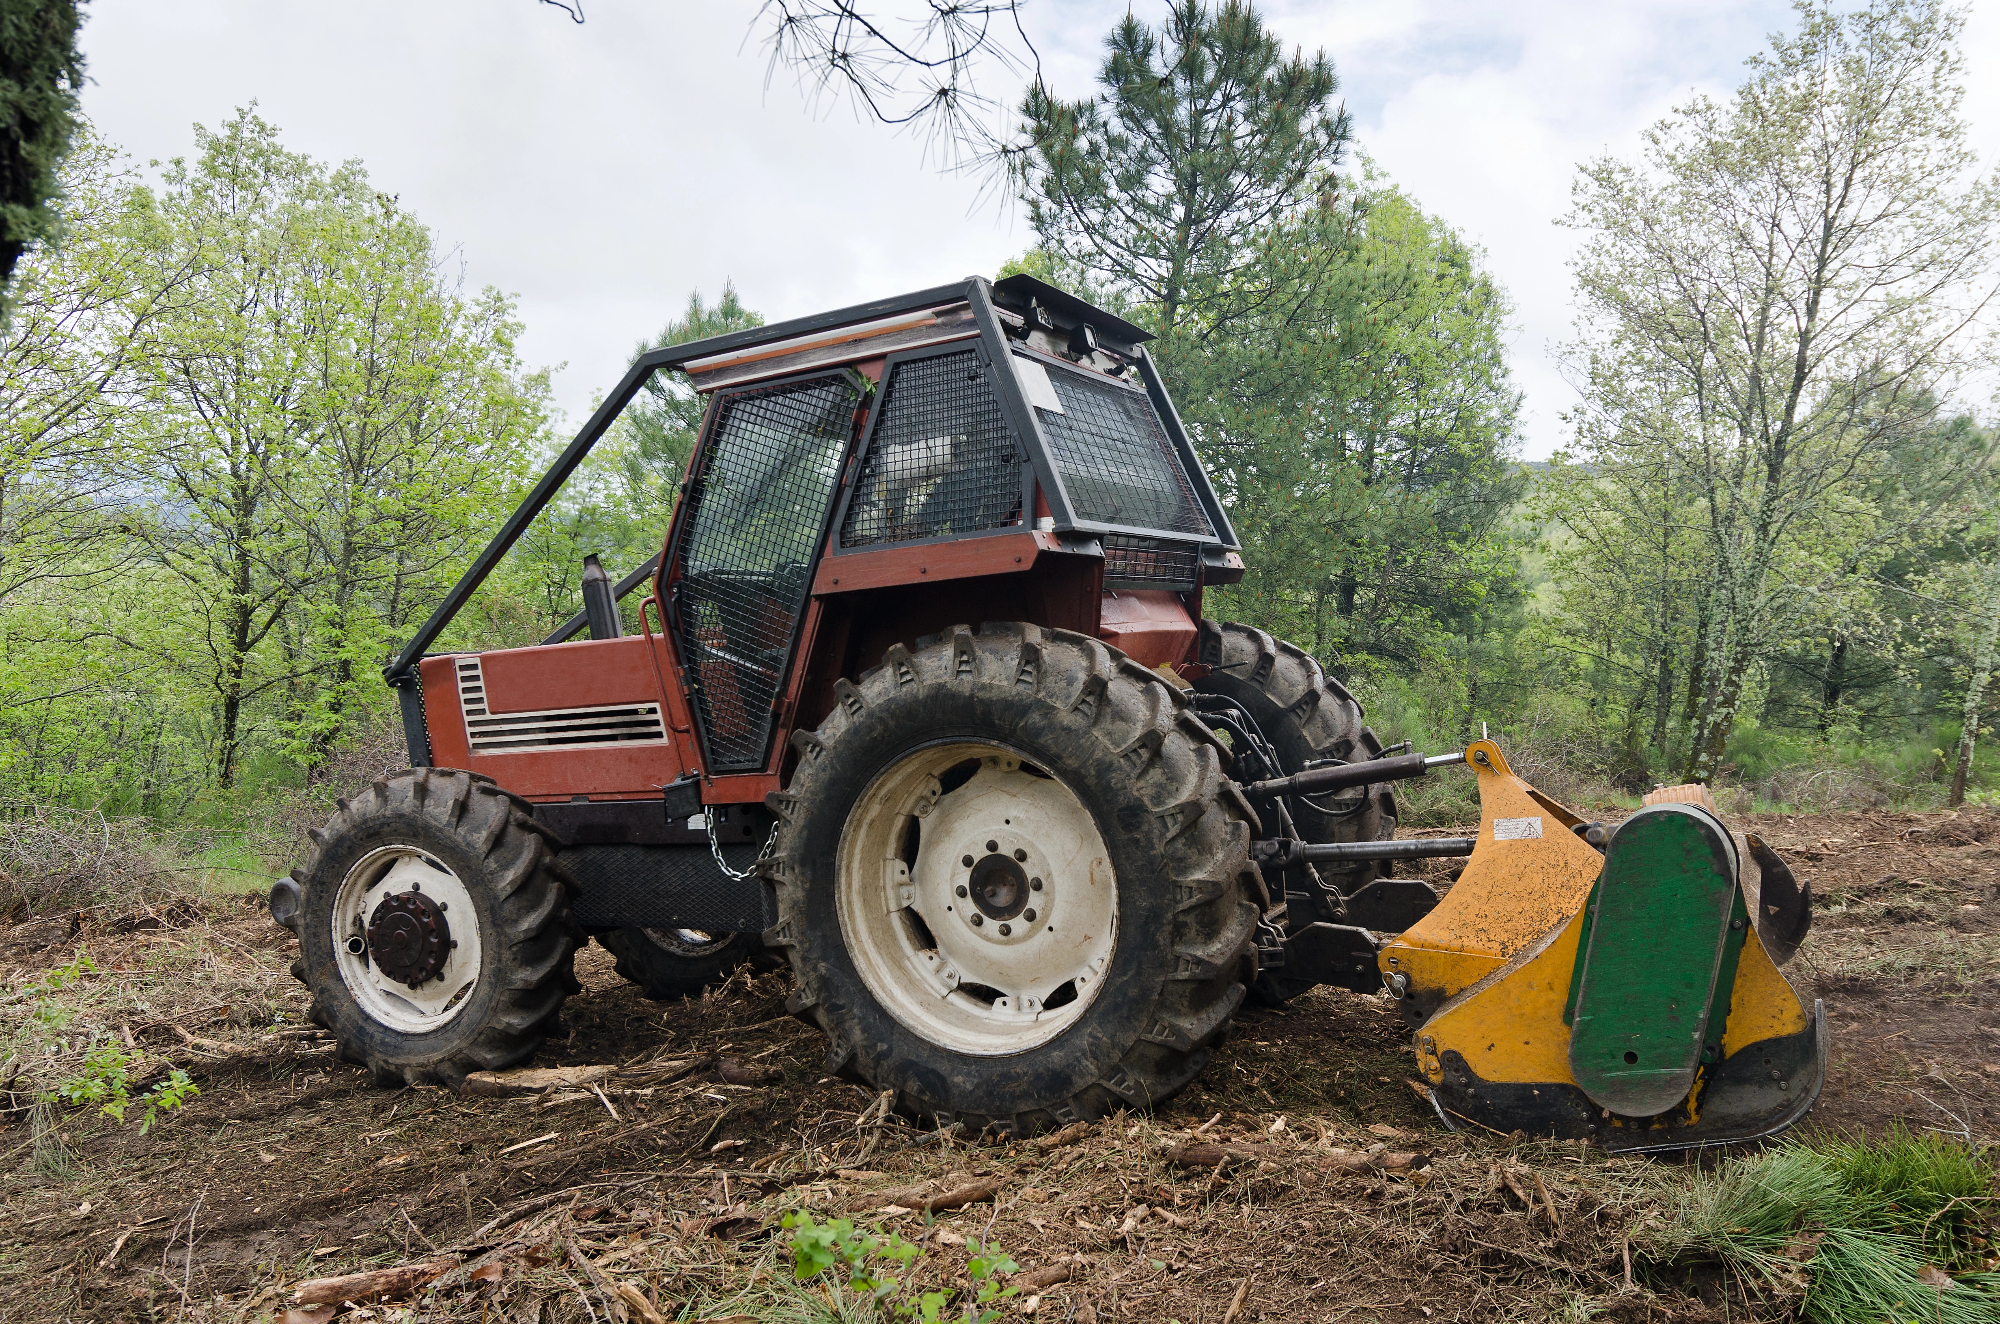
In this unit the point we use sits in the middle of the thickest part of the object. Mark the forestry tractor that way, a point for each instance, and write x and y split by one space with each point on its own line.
922 701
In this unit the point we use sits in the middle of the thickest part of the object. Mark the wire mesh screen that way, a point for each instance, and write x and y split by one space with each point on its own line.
941 459
1116 461
1131 562
755 511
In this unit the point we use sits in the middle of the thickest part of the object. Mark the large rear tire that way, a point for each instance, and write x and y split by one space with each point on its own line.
434 928
1308 719
1014 881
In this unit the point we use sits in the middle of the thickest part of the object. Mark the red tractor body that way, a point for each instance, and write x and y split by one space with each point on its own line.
863 478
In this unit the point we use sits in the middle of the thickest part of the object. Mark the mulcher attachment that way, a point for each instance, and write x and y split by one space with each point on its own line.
1650 1016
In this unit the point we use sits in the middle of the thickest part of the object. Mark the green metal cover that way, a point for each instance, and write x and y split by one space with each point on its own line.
1650 972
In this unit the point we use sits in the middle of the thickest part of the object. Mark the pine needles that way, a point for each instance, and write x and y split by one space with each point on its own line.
1858 1233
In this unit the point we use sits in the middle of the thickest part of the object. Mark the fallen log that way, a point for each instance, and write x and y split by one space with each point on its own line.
534 1080
1225 1154
376 1285
918 1198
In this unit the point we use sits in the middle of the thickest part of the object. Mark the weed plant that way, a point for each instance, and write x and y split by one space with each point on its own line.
1858 1233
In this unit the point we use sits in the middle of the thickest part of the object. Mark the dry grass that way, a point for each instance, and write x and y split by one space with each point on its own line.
54 858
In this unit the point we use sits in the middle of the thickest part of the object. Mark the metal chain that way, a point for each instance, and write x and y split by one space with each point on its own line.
715 848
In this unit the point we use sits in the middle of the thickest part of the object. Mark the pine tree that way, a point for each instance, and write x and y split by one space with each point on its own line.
40 72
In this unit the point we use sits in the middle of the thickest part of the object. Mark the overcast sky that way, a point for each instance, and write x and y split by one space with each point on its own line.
601 171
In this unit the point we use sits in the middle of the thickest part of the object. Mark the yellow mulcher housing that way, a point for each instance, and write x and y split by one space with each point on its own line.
1618 984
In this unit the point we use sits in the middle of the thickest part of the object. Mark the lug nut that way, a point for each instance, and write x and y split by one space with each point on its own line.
1034 884
1028 915
1006 930
1020 855
961 891
416 887
992 845
977 919
967 861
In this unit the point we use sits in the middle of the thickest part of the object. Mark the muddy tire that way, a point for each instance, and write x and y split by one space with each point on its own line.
1013 880
668 964
434 928
1307 718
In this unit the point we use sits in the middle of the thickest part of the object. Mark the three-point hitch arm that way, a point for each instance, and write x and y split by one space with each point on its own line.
1283 853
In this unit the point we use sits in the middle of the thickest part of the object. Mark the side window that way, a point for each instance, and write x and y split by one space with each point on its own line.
941 459
752 528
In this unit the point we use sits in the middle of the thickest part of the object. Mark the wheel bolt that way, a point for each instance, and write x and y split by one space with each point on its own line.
967 861
978 919
1020 855
1034 884
1028 915
1006 929
961 891
992 845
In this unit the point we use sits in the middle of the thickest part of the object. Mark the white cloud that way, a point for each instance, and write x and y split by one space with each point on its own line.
601 171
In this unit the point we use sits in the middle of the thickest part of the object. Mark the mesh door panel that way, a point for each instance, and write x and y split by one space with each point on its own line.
1148 563
941 459
1117 463
754 517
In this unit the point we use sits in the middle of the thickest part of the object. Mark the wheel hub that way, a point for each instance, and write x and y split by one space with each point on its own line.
999 886
408 938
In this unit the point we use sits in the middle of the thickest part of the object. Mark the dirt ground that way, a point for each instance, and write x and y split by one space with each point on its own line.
656 1195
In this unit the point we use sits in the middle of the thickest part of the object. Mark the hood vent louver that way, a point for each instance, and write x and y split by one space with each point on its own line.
555 728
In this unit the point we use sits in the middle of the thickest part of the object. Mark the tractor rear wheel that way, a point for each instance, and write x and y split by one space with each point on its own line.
434 928
677 963
1014 881
1309 719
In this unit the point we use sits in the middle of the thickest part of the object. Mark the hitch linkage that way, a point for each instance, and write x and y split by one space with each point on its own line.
1285 852
1339 776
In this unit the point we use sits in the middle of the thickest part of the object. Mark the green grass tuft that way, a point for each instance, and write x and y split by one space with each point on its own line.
1857 1232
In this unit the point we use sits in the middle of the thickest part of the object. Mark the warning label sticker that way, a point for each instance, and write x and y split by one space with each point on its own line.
1516 829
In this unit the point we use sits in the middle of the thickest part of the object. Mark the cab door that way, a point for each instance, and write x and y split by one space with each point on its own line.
743 552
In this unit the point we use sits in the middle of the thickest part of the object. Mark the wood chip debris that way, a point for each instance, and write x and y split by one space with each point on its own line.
1069 1135
538 1140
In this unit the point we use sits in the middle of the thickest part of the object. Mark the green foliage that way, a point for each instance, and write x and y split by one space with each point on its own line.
1763 357
862 1262
41 72
255 428
1852 1229
105 1081
1171 182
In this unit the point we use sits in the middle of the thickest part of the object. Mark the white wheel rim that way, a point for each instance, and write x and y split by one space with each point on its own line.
685 942
397 871
977 978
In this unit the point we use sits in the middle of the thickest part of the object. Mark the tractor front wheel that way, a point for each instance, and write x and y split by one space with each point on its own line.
434 928
668 964
1014 881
